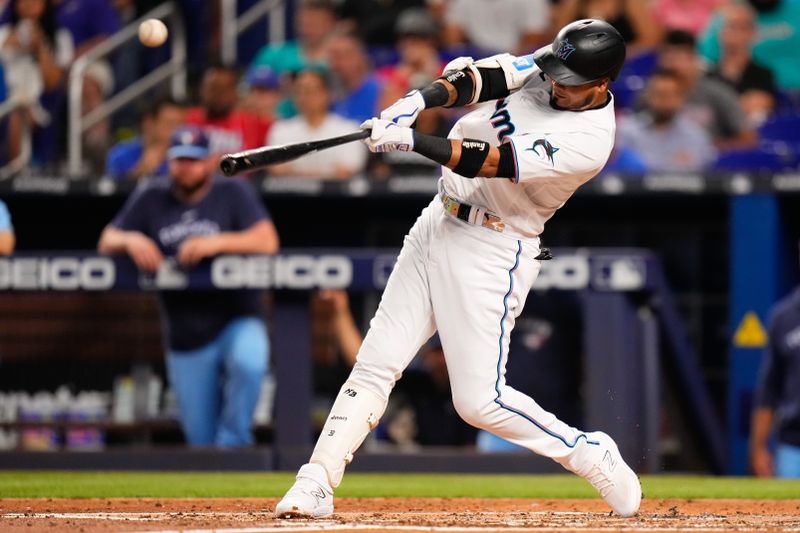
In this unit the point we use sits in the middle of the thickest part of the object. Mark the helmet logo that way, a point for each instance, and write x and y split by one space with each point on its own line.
565 48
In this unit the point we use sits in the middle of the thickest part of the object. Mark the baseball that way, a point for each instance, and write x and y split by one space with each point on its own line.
152 33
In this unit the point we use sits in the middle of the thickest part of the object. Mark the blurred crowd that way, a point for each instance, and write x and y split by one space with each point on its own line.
708 84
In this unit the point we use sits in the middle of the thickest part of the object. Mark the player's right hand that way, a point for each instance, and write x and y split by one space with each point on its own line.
404 111
459 63
143 251
387 136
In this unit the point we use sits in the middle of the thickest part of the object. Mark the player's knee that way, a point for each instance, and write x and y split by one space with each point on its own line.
474 410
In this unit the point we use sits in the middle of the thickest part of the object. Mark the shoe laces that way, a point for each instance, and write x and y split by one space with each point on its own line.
600 480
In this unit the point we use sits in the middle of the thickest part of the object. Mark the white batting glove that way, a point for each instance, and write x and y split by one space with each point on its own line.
387 136
404 111
459 63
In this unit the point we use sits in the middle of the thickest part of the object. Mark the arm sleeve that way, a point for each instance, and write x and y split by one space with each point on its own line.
769 385
569 156
134 214
247 206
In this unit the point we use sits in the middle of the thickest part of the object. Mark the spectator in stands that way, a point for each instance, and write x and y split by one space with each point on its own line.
632 18
374 20
357 91
89 21
660 135
217 347
515 26
146 155
710 103
36 53
7 238
312 97
263 94
754 84
97 87
314 22
687 15
776 44
777 399
230 129
335 340
420 64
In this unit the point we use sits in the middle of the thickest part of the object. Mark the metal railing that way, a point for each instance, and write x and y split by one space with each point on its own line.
175 69
231 25
39 116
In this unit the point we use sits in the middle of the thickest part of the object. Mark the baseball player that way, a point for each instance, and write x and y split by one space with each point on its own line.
468 263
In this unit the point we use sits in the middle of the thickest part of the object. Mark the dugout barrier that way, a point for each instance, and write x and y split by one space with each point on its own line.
625 300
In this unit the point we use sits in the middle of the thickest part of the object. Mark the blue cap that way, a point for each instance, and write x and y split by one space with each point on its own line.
263 78
189 142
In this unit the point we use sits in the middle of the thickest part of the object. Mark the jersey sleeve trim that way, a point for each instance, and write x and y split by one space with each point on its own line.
516 160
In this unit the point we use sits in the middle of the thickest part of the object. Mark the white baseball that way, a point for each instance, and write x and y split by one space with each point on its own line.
152 33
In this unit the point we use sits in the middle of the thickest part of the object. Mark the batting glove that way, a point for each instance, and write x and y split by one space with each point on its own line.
404 111
388 136
459 63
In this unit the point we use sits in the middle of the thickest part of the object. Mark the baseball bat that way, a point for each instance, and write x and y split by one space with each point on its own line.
232 164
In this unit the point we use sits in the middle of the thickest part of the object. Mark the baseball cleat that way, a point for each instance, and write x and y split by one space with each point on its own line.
310 497
605 469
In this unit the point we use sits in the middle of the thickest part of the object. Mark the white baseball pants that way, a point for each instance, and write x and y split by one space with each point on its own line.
470 283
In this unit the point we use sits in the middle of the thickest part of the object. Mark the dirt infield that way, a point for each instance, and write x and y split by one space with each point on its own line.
252 515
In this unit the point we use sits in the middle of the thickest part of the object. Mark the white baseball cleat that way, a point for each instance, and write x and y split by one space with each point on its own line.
604 467
310 497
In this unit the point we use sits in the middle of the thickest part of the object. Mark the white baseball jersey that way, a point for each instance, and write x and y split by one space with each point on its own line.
556 152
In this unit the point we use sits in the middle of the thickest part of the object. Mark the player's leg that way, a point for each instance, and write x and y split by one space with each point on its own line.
195 379
245 356
403 322
787 461
475 306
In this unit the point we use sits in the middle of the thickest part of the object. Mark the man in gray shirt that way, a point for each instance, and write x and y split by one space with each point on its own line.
710 102
665 139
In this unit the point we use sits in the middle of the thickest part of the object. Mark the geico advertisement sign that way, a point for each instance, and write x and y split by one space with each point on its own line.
282 272
57 273
227 272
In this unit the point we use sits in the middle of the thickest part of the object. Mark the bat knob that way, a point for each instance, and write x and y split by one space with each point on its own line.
228 166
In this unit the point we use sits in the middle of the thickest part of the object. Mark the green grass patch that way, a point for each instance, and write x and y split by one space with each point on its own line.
27 484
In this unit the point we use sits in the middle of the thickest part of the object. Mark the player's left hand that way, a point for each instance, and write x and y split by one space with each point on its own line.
387 136
195 249
404 111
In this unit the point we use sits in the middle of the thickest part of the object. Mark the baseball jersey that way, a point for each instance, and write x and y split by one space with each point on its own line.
555 151
195 318
779 378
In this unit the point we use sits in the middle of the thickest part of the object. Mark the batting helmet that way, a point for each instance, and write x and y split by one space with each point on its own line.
583 51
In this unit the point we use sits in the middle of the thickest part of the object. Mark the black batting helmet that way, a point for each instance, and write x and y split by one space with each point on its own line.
583 51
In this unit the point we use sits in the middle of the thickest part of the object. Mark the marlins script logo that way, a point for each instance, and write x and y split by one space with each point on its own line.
547 150
565 49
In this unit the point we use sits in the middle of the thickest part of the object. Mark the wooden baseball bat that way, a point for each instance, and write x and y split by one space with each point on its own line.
232 164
